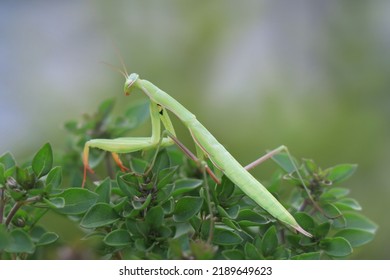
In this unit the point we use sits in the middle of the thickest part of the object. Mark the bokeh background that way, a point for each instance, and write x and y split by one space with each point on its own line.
312 75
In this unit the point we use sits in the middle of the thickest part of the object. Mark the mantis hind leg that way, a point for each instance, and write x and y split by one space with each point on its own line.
293 168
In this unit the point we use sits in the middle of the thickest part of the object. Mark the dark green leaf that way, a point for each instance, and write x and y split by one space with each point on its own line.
356 237
186 185
77 201
47 238
233 254
336 247
101 214
4 237
143 203
248 217
340 172
251 252
225 236
119 237
187 207
138 166
26 180
128 184
43 161
304 220
155 217
308 256
322 230
270 241
20 242
104 191
165 175
54 178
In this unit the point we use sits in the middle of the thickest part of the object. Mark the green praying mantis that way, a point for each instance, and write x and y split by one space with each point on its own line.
206 146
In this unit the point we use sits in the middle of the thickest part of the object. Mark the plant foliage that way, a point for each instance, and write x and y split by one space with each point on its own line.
172 212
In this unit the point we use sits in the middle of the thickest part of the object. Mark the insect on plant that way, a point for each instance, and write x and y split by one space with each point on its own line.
206 147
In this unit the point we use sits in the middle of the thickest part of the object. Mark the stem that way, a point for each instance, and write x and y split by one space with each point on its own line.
211 230
19 204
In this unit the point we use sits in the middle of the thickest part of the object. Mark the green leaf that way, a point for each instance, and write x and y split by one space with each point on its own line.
128 184
55 202
47 238
322 230
77 201
348 204
4 237
155 217
270 241
142 204
119 237
186 185
251 252
26 180
225 236
43 161
308 256
2 175
101 214
186 208
358 221
334 193
336 247
340 172
304 220
165 175
138 166
356 237
7 160
248 217
54 178
20 242
104 191
233 254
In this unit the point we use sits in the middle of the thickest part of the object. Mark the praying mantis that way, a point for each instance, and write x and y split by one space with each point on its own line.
206 146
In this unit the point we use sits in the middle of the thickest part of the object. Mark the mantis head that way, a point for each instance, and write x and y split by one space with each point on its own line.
130 80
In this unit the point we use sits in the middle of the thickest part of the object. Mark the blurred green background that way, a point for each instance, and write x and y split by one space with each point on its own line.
312 75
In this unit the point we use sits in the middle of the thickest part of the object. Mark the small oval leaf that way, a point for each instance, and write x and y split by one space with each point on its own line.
336 247
119 237
186 208
224 236
356 237
100 214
